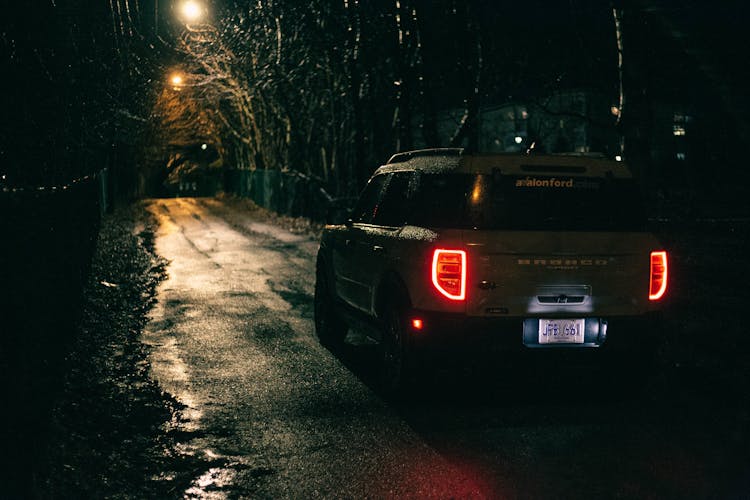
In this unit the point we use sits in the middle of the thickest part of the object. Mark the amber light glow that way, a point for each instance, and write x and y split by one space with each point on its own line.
658 276
191 10
449 273
417 324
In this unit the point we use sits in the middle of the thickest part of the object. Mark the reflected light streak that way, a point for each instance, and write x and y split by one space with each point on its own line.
213 479
439 477
476 192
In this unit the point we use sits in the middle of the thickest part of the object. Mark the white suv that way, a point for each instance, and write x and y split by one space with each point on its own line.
524 252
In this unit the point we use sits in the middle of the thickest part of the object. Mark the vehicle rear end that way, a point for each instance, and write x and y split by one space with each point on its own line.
535 253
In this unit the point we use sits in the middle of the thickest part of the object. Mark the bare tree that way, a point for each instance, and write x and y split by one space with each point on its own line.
473 65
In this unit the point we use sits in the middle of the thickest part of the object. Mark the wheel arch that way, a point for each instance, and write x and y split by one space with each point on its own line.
390 287
322 265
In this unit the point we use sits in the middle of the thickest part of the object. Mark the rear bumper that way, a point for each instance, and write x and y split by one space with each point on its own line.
444 331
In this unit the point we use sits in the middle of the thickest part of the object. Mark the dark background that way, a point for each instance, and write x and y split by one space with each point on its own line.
337 88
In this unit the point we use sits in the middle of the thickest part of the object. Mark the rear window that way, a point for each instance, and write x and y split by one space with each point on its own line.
535 202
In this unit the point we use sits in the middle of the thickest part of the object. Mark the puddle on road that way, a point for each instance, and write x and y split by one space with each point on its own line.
171 372
213 479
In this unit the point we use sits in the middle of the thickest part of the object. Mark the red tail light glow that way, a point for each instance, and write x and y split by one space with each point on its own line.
449 273
658 276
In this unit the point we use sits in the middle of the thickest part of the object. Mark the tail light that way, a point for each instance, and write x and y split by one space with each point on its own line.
658 276
449 273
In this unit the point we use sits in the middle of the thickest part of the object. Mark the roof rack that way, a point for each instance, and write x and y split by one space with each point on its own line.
408 155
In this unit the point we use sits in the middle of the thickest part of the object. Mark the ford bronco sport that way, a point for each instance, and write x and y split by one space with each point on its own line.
528 252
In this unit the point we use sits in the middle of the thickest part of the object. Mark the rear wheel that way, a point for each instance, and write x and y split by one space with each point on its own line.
329 327
398 358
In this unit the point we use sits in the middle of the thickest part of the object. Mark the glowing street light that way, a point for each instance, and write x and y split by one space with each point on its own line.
191 10
177 81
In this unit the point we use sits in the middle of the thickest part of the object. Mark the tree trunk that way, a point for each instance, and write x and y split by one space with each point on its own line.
635 113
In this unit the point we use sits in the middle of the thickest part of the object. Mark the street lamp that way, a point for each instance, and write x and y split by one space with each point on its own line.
191 10
177 81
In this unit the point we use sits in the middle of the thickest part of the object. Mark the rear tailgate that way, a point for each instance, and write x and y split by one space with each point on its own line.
532 273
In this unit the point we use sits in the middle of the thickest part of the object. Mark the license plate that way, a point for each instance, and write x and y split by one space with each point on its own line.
561 331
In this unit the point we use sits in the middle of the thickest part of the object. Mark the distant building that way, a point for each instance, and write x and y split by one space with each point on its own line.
504 128
567 121
574 121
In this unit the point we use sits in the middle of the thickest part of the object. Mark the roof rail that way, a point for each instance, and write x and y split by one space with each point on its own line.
592 154
408 155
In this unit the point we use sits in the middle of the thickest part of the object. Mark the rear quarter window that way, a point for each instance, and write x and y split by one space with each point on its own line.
397 201
367 204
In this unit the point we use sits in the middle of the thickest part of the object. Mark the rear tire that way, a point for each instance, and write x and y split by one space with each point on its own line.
329 327
398 361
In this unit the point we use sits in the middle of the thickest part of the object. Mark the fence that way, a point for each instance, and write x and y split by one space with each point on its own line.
288 193
47 239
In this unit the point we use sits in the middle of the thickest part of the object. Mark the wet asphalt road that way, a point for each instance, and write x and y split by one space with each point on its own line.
279 416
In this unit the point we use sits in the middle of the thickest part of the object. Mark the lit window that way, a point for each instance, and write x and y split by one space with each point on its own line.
678 124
